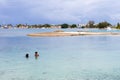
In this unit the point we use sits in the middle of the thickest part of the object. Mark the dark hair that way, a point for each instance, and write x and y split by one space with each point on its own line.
36 52
27 55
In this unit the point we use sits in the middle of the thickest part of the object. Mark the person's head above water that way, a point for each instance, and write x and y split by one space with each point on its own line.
36 54
27 55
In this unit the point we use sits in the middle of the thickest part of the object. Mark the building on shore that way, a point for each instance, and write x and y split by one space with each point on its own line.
55 26
6 26
81 25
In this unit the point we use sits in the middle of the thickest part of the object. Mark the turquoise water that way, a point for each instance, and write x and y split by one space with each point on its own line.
61 58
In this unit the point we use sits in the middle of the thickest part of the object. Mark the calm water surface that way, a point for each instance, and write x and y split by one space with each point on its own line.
61 58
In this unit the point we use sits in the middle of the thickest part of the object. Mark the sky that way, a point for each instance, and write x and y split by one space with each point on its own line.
59 11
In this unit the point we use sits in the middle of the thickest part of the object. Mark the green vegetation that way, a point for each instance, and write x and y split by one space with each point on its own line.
103 25
73 26
118 26
46 25
90 24
68 26
64 25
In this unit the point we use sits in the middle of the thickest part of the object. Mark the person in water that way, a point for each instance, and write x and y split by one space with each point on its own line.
36 54
27 55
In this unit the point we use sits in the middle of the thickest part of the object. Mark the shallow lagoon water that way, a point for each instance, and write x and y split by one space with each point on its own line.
61 58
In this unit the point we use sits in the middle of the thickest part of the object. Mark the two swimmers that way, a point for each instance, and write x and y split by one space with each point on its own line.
36 55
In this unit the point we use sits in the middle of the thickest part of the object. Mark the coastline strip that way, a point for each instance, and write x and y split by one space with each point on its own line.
54 34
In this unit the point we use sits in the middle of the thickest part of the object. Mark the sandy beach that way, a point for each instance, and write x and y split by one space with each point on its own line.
52 34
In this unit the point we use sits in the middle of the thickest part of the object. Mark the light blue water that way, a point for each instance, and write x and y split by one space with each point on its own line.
61 58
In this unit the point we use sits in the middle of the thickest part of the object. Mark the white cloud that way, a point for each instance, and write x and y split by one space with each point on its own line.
2 2
62 10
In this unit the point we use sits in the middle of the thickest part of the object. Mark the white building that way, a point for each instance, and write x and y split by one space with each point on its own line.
80 25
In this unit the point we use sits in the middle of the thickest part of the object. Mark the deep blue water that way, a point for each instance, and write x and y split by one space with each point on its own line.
61 58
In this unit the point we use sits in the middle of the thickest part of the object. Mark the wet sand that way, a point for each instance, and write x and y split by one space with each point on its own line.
53 34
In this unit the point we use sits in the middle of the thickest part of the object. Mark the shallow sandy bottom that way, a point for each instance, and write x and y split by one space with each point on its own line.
52 34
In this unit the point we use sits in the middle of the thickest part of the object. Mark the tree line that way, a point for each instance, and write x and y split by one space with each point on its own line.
90 24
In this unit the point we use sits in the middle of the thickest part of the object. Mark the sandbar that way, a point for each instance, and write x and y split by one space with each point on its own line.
54 34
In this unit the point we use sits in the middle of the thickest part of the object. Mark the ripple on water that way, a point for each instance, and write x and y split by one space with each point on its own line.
2 73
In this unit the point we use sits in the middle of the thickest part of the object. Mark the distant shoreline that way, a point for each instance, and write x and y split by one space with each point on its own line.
55 34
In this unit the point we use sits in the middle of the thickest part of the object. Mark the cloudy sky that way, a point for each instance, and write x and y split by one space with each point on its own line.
58 11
